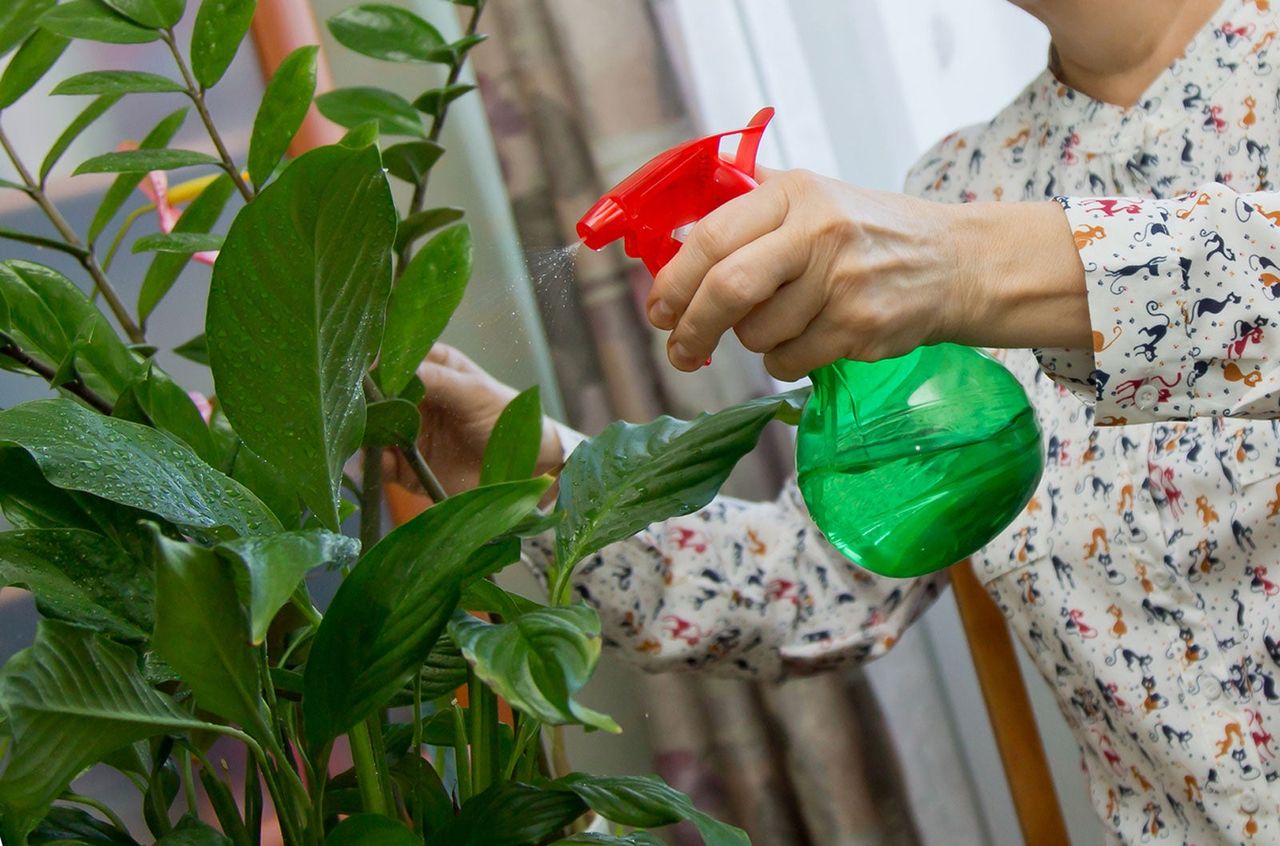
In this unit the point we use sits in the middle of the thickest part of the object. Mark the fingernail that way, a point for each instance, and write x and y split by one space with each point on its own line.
661 315
681 357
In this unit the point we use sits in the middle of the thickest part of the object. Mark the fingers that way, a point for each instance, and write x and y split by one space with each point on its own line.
730 227
782 318
730 290
821 343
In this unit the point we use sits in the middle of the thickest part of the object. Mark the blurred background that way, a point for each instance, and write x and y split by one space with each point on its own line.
573 95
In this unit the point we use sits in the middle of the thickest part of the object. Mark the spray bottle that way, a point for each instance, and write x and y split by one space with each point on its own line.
907 465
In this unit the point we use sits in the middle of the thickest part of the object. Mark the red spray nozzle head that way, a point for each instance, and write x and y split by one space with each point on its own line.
671 190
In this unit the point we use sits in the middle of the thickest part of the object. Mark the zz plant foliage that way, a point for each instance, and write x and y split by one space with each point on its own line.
167 549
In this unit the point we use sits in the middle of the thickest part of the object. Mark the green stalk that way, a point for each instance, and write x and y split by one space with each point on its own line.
125 226
189 781
482 713
367 776
462 761
529 730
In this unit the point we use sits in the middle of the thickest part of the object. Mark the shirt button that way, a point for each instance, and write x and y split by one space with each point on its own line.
1147 397
1163 579
1210 687
1249 802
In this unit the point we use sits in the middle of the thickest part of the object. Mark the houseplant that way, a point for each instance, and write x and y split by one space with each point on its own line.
166 549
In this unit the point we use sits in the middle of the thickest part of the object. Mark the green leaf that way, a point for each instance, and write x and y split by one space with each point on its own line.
512 814
116 82
421 786
630 476
183 243
646 802
144 161
538 661
445 669
484 595
134 465
386 32
416 225
284 105
273 487
371 830
454 52
392 422
197 350
156 14
72 698
295 314
361 136
270 568
373 639
81 577
220 27
636 838
350 107
198 219
422 303
93 20
202 631
412 160
123 186
18 19
168 407
33 59
82 121
435 101
190 831
73 827
516 440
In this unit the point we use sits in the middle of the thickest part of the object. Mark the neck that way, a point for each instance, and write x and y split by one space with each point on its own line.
1113 50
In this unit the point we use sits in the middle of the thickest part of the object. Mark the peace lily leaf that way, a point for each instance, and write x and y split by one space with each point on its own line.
165 405
124 184
295 315
79 576
220 27
63 826
72 698
184 243
373 639
445 668
116 82
284 105
411 160
435 101
423 301
190 831
631 475
197 350
144 161
371 830
538 661
78 449
202 631
273 488
82 121
516 440
270 568
198 219
350 107
18 19
93 20
33 59
484 595
646 802
392 422
636 838
416 225
155 14
421 786
512 814
386 32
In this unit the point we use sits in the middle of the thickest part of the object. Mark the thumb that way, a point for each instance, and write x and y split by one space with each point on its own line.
764 174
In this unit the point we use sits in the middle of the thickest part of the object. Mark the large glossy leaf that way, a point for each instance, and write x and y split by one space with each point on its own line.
350 107
133 465
82 121
386 32
145 161
284 105
72 698
116 82
272 487
269 569
18 19
150 13
219 28
512 814
80 576
538 661
123 186
390 611
516 440
162 403
33 59
371 830
295 314
93 20
198 219
646 802
202 631
632 475
412 160
64 826
423 301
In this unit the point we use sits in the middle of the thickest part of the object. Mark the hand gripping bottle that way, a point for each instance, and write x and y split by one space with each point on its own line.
907 465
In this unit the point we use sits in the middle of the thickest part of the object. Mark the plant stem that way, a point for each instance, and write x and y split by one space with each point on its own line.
462 763
90 802
196 93
75 386
189 781
412 455
87 258
482 713
125 226
528 731
367 776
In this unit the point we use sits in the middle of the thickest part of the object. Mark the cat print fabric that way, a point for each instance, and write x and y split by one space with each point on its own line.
1143 578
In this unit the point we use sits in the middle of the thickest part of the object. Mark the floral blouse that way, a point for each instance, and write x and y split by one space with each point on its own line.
1143 578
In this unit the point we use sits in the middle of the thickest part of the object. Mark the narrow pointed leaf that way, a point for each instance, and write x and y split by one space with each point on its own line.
435 101
197 350
455 52
295 313
219 28
516 440
412 160
183 243
18 19
168 407
647 802
420 223
155 14
33 59
116 82
386 32
82 121
124 184
199 217
93 20
284 105
145 161
350 107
